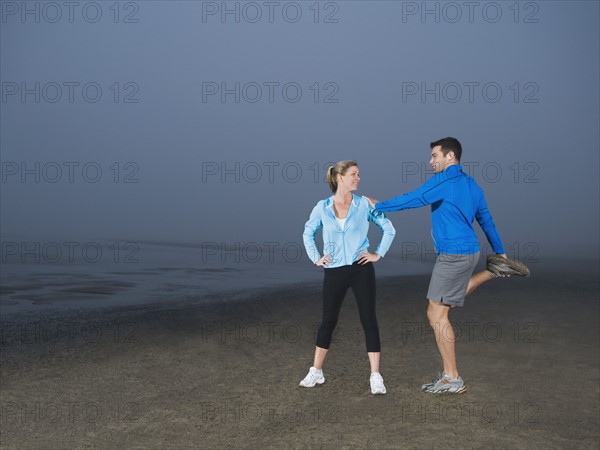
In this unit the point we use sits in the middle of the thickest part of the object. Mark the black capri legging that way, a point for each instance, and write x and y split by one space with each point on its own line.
361 278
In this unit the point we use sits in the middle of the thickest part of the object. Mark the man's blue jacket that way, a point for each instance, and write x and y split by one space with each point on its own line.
456 200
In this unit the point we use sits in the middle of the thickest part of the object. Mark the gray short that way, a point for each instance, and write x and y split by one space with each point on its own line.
450 278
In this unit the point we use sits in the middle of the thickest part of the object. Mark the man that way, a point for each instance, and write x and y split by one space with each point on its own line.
456 200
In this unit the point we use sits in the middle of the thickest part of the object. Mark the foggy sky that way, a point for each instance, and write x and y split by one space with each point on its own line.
534 150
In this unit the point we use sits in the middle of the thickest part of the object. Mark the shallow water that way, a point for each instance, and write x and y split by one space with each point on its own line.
57 274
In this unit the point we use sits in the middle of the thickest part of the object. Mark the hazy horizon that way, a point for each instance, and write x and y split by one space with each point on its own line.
136 128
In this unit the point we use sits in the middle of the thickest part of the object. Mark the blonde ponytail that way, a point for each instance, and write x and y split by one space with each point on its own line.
340 168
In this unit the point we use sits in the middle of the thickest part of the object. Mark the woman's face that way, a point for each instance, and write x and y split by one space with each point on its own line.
350 179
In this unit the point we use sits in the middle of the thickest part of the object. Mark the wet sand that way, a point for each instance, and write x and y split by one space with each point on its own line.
225 375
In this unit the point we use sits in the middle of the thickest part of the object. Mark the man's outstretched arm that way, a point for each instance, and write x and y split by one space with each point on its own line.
431 192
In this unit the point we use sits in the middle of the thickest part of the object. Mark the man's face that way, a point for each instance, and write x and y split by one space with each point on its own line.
438 161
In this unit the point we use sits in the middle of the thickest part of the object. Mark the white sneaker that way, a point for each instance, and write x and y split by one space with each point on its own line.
377 386
315 376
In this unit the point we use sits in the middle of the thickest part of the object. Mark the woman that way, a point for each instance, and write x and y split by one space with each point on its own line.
345 220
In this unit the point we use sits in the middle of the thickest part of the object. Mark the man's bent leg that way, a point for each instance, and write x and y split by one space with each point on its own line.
478 279
437 313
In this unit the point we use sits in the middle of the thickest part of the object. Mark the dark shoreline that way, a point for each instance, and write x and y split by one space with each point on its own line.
225 374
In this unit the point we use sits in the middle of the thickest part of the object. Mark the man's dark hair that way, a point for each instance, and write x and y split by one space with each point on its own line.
449 144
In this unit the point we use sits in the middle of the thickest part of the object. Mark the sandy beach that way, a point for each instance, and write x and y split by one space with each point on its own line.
225 375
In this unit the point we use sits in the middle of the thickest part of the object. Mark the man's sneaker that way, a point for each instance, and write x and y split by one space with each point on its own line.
502 267
447 385
440 375
377 386
315 376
